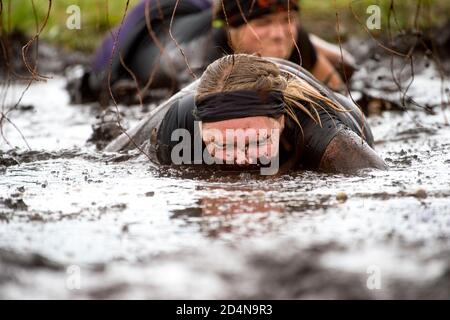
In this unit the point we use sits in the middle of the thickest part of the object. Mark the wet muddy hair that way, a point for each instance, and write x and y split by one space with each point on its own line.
250 72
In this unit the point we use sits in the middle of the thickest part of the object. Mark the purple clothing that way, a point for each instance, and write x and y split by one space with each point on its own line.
104 52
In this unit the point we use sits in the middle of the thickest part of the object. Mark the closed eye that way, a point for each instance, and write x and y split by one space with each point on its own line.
261 141
220 145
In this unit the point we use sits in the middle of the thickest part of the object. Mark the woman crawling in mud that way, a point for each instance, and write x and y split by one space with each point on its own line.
248 111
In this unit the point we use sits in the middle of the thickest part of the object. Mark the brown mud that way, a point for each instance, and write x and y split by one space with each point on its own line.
132 230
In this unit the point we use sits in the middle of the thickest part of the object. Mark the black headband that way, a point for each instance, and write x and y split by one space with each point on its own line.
251 9
239 104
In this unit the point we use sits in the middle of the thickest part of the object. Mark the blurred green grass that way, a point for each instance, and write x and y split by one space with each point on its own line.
97 16
320 16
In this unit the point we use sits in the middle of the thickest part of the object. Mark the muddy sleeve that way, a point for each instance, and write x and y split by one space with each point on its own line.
355 119
134 37
314 137
179 116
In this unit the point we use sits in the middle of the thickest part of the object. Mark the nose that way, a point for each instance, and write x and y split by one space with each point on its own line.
240 156
278 30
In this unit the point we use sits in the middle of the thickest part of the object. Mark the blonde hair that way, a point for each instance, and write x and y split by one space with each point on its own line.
249 72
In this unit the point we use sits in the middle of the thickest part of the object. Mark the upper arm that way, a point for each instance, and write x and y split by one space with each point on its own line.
325 72
347 153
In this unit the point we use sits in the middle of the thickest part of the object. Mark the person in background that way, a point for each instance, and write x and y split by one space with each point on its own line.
151 51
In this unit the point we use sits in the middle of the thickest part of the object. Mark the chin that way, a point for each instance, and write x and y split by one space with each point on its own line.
238 168
276 54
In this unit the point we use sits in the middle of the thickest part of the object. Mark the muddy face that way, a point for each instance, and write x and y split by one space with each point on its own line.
243 141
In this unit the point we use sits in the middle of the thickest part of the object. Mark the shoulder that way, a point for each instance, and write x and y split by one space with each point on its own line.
312 138
348 153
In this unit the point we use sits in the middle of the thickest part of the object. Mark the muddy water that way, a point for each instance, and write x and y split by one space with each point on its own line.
75 223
